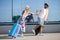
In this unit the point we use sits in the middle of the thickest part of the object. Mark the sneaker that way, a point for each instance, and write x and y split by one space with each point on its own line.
22 35
33 32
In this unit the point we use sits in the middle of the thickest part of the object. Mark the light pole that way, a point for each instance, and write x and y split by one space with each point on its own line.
12 10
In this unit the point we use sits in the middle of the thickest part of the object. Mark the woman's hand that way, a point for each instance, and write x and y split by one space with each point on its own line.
37 14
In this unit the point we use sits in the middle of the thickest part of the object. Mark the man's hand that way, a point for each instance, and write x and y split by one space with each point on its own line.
46 20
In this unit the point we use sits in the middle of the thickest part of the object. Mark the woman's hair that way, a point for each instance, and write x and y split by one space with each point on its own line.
27 6
23 12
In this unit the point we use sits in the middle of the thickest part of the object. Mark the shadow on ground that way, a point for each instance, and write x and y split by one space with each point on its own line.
9 37
5 37
27 35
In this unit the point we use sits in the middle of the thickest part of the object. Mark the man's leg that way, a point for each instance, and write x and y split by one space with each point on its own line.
41 25
36 26
36 30
41 28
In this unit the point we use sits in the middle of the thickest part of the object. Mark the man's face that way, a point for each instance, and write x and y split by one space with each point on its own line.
45 6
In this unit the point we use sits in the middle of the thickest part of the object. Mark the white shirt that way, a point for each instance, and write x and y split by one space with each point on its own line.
43 14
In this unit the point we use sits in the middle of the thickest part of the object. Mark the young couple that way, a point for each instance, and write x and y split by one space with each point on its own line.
41 13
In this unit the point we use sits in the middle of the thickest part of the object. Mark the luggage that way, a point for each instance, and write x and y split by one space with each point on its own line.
29 18
16 28
37 30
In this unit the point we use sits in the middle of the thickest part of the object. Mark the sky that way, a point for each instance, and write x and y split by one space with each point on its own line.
19 5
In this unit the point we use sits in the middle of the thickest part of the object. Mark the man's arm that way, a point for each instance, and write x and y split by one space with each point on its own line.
46 17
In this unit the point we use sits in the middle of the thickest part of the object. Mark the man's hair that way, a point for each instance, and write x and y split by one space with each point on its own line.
46 4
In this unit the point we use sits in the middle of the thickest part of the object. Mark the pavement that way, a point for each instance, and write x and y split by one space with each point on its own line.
30 36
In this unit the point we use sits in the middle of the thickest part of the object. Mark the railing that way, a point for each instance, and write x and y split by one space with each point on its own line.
31 23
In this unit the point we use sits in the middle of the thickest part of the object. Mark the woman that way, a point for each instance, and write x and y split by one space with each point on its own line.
24 15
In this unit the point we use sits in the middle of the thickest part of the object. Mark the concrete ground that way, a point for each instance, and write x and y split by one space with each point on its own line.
30 36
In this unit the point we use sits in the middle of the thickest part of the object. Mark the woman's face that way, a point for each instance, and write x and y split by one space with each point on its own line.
26 8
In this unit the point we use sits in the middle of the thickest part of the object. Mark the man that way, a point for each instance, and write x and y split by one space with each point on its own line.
43 16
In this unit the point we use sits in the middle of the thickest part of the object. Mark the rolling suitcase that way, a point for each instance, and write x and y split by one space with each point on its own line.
16 28
37 30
